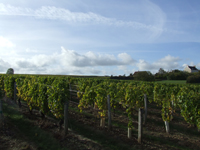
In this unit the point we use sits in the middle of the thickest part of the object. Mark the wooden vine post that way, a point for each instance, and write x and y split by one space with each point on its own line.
109 113
66 117
129 133
166 125
140 131
145 109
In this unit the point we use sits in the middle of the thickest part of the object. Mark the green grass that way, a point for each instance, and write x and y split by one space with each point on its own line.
40 138
43 140
111 143
99 136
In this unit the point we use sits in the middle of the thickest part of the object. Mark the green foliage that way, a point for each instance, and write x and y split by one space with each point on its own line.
49 94
177 75
144 76
47 98
188 101
193 79
87 98
42 95
165 96
58 94
172 75
134 100
10 71
172 81
2 93
32 94
9 85
101 98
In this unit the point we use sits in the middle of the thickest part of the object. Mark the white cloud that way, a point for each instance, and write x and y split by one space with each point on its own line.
143 65
126 58
125 70
4 42
143 24
167 63
55 13
198 66
25 64
44 60
16 11
184 65
192 64
71 58
70 62
169 58
4 66
28 50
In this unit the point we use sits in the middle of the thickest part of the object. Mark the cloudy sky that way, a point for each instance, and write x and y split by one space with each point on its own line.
104 37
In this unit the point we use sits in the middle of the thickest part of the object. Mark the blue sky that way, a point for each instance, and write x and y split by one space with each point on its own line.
90 37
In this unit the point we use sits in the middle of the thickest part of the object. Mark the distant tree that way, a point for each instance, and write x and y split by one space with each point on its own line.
162 71
131 75
10 71
177 75
161 74
143 76
176 70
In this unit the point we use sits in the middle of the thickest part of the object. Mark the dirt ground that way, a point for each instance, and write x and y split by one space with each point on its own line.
182 135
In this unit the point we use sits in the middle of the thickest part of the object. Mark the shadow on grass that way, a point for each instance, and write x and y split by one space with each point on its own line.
99 136
164 141
40 138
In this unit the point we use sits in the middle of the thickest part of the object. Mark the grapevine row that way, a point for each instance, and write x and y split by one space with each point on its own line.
48 94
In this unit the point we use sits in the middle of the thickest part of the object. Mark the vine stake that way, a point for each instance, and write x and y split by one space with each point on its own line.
140 112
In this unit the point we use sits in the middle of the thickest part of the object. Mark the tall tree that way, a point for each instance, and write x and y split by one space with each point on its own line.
161 71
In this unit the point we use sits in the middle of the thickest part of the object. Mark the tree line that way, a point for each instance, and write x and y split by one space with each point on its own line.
161 75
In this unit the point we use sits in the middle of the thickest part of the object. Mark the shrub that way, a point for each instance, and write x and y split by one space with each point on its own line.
193 79
177 75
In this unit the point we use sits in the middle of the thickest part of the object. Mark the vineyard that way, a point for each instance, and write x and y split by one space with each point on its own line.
106 97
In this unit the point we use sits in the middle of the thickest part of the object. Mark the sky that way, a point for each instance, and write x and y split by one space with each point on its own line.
104 37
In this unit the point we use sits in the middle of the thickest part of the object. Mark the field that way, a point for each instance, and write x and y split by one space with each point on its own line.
85 132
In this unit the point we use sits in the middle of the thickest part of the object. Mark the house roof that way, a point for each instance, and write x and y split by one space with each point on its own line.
192 67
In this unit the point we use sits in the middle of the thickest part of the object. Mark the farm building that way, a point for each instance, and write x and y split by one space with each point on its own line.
191 69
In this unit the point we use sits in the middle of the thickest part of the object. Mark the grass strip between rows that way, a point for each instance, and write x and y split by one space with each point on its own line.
40 138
